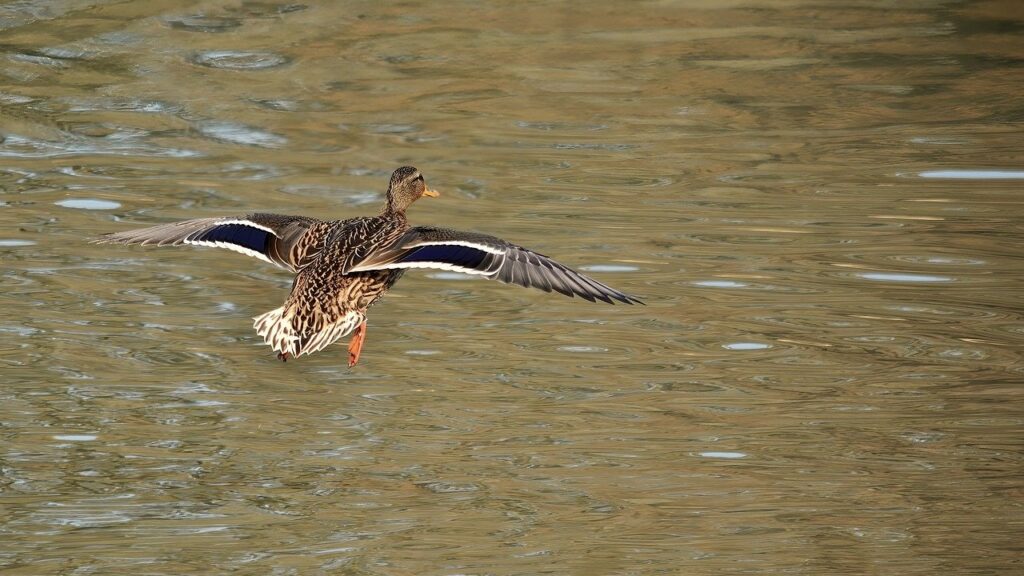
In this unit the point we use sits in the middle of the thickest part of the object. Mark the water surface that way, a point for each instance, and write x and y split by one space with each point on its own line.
820 203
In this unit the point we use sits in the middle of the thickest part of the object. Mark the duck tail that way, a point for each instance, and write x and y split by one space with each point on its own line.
276 329
330 333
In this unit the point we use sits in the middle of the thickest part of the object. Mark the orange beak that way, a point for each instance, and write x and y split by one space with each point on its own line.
431 193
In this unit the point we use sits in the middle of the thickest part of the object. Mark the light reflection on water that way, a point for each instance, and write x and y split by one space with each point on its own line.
88 204
974 174
904 277
820 209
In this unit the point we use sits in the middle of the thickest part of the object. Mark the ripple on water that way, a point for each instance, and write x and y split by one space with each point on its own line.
390 128
200 23
961 312
422 352
720 284
938 260
241 134
613 180
443 487
247 171
938 140
75 437
12 243
16 146
609 268
560 127
239 60
746 346
334 193
582 349
90 519
37 59
88 204
903 277
105 104
287 105
980 174
450 276
727 455
7 98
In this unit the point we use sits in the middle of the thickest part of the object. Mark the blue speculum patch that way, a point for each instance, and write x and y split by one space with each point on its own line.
452 254
238 234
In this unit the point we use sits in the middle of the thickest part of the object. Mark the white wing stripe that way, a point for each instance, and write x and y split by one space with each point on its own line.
232 247
481 247
249 223
436 265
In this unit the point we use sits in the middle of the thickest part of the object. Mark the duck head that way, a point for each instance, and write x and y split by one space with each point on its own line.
406 187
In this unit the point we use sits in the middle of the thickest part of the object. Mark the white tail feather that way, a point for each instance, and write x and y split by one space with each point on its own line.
277 331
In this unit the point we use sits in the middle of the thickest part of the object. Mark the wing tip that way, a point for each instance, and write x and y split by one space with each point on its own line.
621 298
629 299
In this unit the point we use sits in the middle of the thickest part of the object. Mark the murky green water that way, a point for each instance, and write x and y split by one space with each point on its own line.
820 202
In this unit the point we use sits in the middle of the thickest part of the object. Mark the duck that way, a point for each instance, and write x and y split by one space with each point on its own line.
342 267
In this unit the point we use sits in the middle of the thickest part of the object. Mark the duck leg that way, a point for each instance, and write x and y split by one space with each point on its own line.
355 346
282 356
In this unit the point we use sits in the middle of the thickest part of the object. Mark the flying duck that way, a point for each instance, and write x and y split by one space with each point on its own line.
342 267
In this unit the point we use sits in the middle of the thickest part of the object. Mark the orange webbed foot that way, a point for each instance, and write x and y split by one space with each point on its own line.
355 346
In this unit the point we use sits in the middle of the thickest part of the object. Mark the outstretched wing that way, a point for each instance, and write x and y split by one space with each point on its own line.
274 238
487 256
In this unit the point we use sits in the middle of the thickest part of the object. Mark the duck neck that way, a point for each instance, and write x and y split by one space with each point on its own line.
391 213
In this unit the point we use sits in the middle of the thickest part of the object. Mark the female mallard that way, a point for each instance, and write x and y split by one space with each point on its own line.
343 266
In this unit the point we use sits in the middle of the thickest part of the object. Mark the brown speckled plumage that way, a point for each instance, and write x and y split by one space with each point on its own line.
343 266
